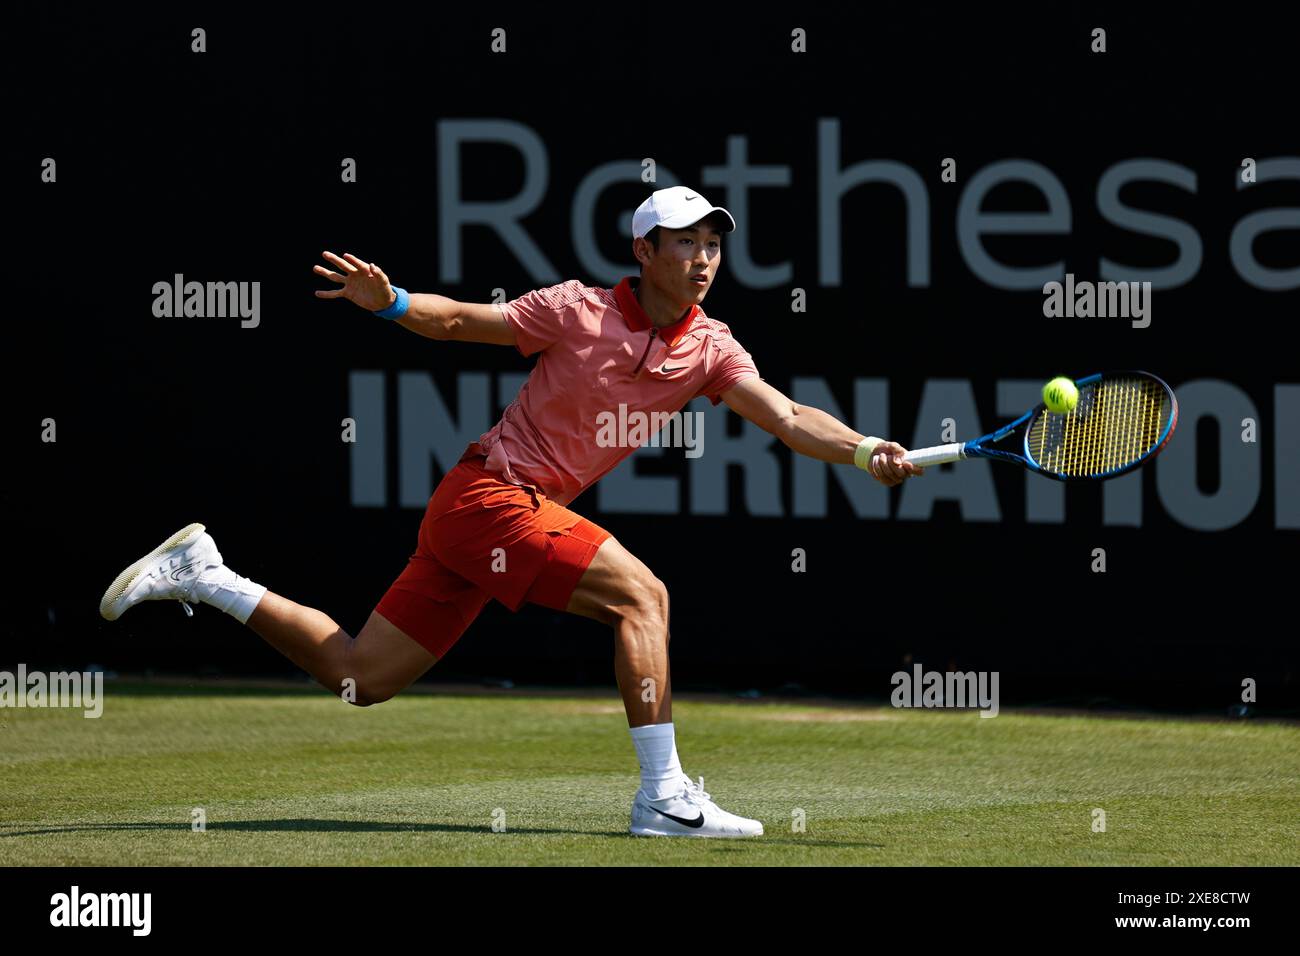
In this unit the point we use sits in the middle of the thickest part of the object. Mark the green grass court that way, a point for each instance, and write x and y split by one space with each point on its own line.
296 777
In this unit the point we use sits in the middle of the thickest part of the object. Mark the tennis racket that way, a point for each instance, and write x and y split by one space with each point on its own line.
1122 420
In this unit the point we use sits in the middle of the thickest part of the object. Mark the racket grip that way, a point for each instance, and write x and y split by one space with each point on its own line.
937 455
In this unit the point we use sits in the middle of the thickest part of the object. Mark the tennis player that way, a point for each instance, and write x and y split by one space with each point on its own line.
499 526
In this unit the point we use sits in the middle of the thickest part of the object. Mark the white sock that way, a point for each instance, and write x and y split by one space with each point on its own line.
656 751
227 591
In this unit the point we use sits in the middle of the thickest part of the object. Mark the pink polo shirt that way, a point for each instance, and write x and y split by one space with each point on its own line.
597 349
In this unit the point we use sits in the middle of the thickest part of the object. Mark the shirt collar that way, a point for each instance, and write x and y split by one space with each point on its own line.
638 321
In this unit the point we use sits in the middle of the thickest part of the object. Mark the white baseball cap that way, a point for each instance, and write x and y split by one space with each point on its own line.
674 208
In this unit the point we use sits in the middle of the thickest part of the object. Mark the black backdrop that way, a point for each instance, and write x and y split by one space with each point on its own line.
224 166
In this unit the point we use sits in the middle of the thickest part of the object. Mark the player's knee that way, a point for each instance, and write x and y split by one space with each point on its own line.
648 599
361 692
365 699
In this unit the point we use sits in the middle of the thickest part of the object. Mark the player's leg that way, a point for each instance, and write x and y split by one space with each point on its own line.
617 589
419 618
370 668
383 659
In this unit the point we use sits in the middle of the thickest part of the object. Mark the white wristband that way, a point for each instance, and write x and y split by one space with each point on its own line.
866 448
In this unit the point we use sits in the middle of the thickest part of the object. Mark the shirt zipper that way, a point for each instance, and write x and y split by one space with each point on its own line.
649 342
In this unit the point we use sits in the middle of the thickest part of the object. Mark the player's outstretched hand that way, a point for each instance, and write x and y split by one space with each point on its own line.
363 282
887 465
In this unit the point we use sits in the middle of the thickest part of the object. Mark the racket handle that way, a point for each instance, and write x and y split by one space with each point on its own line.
938 455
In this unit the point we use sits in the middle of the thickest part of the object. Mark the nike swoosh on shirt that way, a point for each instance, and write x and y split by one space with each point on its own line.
675 368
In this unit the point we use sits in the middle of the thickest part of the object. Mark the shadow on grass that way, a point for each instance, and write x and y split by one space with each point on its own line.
364 826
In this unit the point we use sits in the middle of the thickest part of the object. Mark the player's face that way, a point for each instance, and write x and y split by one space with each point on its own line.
686 263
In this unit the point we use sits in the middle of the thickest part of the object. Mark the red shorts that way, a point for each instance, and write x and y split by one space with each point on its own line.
483 538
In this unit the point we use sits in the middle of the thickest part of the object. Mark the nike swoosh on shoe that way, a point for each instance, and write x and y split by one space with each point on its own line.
693 824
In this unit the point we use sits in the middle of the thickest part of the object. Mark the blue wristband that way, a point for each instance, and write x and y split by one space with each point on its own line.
399 306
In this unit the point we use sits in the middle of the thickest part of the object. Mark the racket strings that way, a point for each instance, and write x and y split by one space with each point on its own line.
1116 422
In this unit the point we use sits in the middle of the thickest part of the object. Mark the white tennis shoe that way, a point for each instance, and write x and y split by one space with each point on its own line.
167 573
692 813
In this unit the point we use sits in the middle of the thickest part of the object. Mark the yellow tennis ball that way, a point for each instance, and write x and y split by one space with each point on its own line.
1060 395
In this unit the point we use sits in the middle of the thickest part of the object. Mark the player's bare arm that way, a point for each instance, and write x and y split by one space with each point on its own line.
812 432
433 316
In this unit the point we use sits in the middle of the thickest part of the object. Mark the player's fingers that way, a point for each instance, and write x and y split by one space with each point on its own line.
883 470
379 272
345 266
327 273
328 293
891 454
878 468
361 264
